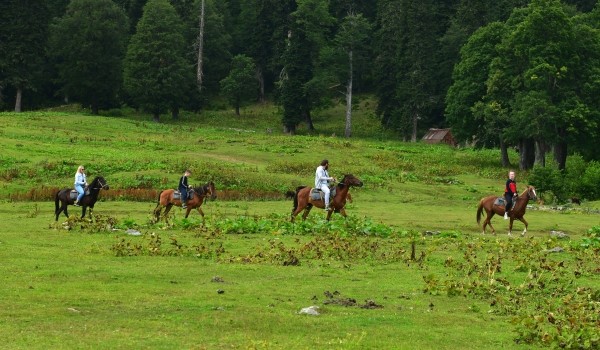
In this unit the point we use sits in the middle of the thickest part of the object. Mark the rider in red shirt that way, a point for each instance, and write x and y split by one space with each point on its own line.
510 193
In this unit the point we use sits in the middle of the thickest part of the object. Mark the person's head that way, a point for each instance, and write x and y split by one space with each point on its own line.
325 163
511 175
187 172
81 169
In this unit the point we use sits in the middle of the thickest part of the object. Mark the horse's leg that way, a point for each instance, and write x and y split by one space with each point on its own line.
58 211
488 221
167 210
343 212
157 211
297 211
306 212
187 211
66 206
329 212
510 225
83 208
200 211
522 219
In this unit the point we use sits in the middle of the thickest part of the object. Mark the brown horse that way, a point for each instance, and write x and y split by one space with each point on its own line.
303 200
165 199
517 212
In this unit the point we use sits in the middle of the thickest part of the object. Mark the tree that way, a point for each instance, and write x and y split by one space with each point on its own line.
351 39
311 23
541 62
23 36
88 44
155 67
539 91
467 112
240 85
416 86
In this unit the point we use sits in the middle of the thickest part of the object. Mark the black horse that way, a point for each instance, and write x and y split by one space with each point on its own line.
63 196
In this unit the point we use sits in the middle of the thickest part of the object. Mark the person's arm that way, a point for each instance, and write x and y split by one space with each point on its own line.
513 188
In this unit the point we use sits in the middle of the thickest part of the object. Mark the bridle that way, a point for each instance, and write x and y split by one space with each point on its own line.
102 185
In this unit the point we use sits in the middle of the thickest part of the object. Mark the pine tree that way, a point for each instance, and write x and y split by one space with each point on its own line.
88 44
155 67
23 35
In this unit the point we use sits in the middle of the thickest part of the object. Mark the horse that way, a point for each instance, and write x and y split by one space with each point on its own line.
166 199
63 196
303 200
518 211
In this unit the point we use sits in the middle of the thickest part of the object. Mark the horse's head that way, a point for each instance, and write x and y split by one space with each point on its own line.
351 180
99 183
211 191
531 195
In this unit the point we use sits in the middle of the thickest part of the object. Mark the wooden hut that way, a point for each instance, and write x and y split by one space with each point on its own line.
440 136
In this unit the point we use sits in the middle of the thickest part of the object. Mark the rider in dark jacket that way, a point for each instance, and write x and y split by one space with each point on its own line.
183 188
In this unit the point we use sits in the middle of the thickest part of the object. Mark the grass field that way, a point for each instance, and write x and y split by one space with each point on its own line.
238 279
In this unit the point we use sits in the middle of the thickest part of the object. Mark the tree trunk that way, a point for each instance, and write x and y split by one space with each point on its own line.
504 153
200 46
175 112
540 153
261 84
309 122
156 117
560 154
94 108
526 154
288 129
237 109
415 120
348 131
18 100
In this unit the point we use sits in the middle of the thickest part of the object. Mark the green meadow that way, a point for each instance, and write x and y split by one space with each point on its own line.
408 269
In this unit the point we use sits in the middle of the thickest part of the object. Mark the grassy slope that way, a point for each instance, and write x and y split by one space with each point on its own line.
66 289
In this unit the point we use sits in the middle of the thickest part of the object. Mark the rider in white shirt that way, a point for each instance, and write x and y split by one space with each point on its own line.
80 183
322 179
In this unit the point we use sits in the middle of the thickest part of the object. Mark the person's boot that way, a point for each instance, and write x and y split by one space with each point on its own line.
183 204
506 215
76 203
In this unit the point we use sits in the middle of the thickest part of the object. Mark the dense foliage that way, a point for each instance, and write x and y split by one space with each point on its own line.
510 73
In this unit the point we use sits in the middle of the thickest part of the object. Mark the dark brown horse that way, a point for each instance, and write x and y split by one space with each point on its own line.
166 199
518 211
89 200
303 200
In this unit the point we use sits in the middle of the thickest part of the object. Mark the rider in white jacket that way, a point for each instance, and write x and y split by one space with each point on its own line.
80 183
322 179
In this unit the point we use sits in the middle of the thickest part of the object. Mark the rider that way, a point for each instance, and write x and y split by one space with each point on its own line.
322 179
80 183
183 188
510 193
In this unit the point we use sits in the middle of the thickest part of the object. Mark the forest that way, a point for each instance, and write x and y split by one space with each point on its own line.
500 73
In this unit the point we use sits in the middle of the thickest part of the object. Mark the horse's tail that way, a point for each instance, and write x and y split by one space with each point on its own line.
479 211
296 196
56 200
158 200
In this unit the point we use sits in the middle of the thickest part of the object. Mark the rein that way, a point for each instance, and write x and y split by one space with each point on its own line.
102 186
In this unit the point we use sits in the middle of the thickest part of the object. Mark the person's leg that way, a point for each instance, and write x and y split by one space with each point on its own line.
81 192
183 198
326 191
508 205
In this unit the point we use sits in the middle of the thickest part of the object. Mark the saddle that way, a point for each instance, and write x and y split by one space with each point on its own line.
73 193
318 195
177 194
500 202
